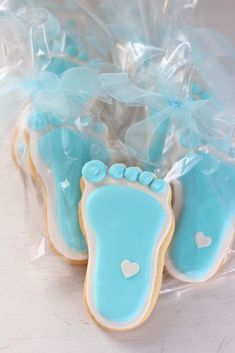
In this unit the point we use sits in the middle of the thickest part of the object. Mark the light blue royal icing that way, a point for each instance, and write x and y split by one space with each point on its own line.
83 55
145 178
129 231
208 208
94 171
71 50
116 171
71 46
158 186
38 121
65 152
54 120
132 173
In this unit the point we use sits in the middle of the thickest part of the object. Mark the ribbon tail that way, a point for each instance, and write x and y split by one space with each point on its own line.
140 137
119 86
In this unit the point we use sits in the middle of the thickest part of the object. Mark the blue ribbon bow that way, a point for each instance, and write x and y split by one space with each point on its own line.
169 89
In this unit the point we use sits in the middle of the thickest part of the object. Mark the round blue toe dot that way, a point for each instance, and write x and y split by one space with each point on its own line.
132 173
72 50
83 55
54 121
158 185
145 178
94 171
116 171
38 121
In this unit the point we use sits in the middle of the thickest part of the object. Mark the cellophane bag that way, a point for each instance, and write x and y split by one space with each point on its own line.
141 82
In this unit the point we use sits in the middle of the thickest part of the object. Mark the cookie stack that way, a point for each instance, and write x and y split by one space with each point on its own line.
134 162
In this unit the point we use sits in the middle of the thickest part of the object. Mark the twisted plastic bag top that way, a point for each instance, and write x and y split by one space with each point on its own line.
184 77
50 63
140 54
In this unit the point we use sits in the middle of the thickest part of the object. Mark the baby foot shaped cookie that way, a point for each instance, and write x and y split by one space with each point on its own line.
205 213
128 222
56 155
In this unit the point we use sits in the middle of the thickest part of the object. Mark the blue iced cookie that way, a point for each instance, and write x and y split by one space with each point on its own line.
57 154
38 122
204 228
128 222
57 65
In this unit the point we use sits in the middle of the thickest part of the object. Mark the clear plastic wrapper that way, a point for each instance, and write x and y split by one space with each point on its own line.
130 82
184 78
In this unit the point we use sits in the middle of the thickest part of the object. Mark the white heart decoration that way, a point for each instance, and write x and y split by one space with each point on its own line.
129 269
202 240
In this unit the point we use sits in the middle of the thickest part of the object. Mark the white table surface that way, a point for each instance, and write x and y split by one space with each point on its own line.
41 302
